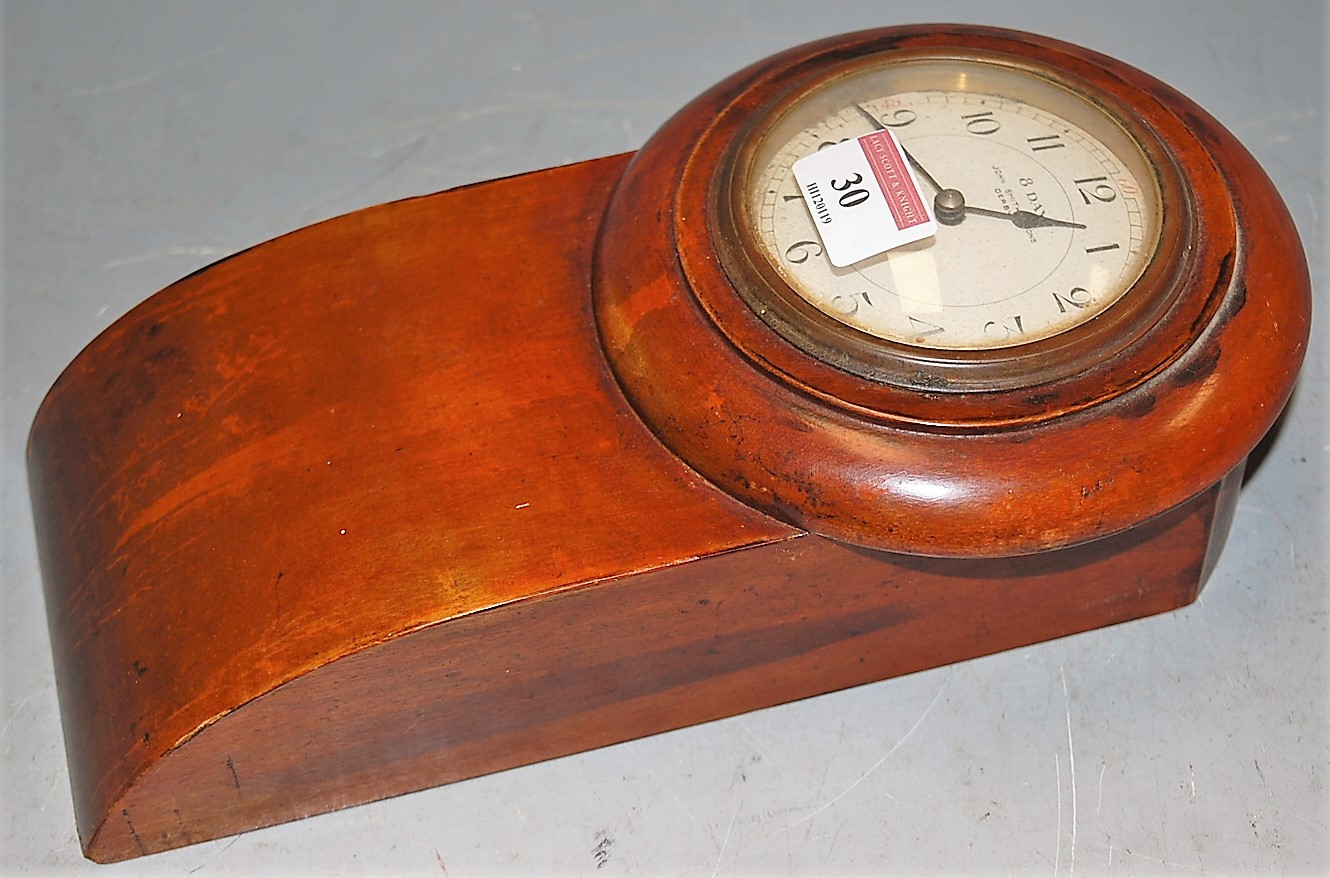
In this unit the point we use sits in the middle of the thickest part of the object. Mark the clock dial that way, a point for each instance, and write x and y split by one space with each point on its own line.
1048 211
997 388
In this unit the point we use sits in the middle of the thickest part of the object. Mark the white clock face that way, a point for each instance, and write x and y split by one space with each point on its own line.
1048 211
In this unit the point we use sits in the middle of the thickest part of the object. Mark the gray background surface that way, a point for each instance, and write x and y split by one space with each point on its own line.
144 140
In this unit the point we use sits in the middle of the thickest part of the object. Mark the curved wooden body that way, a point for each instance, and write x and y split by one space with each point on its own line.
363 510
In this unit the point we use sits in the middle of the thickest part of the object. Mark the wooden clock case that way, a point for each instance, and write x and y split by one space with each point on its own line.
485 477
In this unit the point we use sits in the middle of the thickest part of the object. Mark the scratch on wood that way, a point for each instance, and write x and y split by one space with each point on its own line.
235 778
277 595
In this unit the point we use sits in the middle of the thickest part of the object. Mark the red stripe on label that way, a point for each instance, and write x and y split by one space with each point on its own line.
907 205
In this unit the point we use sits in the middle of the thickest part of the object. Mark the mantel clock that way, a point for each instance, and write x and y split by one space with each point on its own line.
889 351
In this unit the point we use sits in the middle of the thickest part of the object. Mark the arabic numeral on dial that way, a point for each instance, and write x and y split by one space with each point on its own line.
799 252
1100 191
982 123
828 144
849 305
900 118
922 328
1005 328
850 197
1079 297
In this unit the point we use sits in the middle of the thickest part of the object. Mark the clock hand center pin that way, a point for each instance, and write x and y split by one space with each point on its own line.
949 205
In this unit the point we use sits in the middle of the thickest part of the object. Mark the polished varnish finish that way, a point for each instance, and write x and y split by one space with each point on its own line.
366 508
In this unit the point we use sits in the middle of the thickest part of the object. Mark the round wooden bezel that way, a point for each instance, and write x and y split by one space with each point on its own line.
987 453
1067 367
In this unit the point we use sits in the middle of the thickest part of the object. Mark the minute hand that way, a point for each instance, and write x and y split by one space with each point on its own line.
1023 219
919 169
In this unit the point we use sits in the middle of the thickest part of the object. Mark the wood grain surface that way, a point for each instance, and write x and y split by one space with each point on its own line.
352 432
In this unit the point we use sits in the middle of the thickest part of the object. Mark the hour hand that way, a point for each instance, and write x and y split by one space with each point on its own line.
1024 219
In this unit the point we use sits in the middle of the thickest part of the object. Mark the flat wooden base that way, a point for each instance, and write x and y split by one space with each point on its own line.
362 511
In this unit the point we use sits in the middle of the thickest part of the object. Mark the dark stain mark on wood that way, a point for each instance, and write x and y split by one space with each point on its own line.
133 833
1138 405
1198 368
184 830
